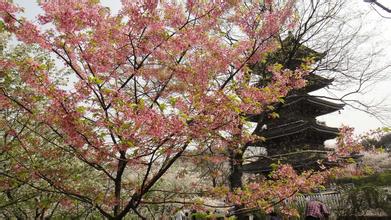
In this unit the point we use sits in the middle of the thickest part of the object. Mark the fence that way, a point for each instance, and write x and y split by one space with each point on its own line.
332 199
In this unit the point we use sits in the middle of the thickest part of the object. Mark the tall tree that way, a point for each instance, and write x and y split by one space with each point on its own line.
145 85
23 194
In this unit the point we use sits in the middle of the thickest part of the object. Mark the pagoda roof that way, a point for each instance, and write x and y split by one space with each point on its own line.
293 136
262 167
312 99
307 159
300 161
296 127
302 105
314 82
309 105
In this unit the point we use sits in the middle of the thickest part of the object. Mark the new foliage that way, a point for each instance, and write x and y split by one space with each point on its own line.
143 87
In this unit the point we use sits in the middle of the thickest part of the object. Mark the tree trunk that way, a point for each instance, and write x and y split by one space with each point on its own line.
235 177
118 182
236 174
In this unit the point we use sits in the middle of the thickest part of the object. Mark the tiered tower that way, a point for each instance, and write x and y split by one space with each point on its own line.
295 137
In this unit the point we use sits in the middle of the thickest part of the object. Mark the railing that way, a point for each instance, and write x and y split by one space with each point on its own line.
331 199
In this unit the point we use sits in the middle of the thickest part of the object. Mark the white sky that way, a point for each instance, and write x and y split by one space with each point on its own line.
380 29
373 23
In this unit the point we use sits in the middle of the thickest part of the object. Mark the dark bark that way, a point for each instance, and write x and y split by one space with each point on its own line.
136 198
235 177
118 182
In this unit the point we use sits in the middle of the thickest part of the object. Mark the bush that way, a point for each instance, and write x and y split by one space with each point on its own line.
378 179
202 215
365 199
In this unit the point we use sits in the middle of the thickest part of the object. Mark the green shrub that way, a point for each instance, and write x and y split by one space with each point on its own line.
202 215
378 179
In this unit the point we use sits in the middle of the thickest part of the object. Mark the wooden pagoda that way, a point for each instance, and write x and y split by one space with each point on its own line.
295 137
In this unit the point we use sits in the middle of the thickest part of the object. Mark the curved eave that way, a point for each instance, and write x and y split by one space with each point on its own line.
303 157
294 100
315 82
298 127
264 167
254 168
313 106
325 103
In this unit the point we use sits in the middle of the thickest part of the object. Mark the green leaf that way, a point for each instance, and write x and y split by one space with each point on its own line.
274 166
95 80
129 143
81 109
270 107
173 101
162 106
2 26
281 99
274 115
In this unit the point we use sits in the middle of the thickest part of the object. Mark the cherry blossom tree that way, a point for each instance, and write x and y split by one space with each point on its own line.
21 198
144 86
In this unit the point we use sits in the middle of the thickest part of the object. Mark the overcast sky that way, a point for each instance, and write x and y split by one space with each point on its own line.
380 28
374 24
